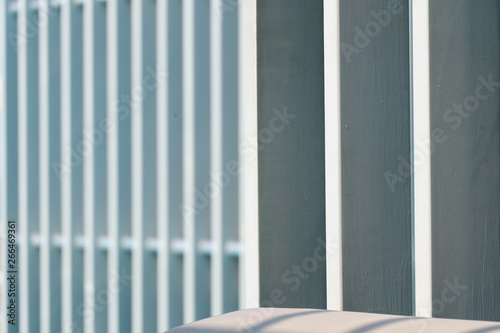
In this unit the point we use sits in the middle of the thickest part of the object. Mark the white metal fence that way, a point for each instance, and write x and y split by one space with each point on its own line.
120 162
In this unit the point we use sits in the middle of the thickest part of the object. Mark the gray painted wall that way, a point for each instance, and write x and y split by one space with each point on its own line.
291 152
376 178
465 45
375 139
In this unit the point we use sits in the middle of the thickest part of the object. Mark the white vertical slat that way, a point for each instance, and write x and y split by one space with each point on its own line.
419 78
216 155
112 164
66 174
188 130
88 162
162 170
3 152
23 240
333 151
137 156
44 196
249 191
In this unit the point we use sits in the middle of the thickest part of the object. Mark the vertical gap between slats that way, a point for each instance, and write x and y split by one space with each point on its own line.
149 80
216 156
228 180
175 160
53 224
124 142
3 149
422 231
77 174
23 168
201 229
32 160
98 139
333 155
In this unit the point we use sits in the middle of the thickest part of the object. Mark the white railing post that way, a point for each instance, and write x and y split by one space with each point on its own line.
249 181
137 167
88 163
162 166
419 79
188 151
333 154
66 174
112 164
216 156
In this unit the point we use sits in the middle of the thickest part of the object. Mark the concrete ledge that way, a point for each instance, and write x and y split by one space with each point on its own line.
273 320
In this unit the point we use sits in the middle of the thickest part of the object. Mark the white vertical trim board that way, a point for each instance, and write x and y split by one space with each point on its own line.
44 176
112 173
66 174
88 163
188 151
333 155
249 181
162 170
216 155
137 172
420 70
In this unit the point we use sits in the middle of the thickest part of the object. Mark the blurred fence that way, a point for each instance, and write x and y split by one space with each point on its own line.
120 162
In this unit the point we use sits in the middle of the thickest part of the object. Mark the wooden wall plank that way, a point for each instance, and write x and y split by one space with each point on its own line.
465 54
376 199
291 152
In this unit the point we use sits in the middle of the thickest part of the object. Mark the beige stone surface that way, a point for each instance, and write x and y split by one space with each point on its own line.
273 320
